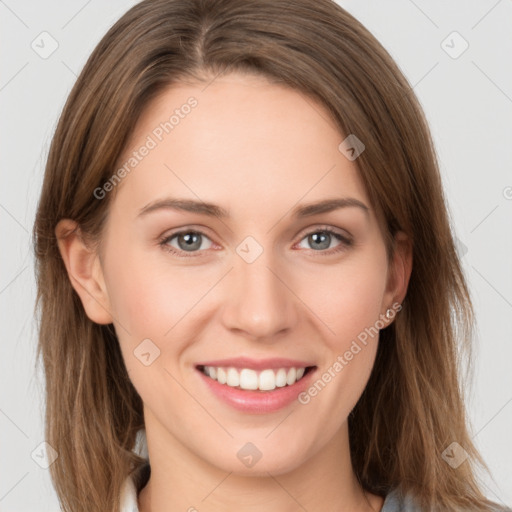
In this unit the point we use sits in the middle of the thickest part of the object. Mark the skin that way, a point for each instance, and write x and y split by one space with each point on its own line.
259 150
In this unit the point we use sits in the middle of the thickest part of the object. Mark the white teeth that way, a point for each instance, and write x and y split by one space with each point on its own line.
281 378
292 376
267 380
249 379
233 378
221 375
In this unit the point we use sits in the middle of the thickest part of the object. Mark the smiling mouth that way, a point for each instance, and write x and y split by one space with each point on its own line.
252 380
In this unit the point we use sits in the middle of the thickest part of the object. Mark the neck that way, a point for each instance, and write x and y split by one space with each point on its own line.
181 480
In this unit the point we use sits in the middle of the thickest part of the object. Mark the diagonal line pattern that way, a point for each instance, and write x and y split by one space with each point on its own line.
10 490
485 15
211 81
424 13
13 13
488 215
492 81
301 300
14 423
495 495
199 403
72 72
217 485
492 419
495 289
200 299
193 192
13 218
421 79
76 14
12 280
286 491
289 209
282 421
14 76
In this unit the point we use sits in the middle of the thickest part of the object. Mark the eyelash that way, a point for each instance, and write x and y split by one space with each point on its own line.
345 242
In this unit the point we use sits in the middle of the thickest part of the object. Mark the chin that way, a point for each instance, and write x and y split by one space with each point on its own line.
255 459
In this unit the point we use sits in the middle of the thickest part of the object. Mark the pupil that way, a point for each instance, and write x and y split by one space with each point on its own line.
321 238
192 241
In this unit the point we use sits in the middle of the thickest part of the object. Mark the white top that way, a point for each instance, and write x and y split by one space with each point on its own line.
128 497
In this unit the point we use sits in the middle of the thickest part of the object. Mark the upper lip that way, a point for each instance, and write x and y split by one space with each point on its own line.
257 364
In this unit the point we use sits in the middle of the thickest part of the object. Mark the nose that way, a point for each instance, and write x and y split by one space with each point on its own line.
258 300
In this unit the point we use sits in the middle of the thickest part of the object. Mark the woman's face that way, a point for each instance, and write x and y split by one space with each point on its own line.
217 248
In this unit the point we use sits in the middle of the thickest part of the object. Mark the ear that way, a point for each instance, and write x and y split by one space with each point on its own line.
399 272
84 271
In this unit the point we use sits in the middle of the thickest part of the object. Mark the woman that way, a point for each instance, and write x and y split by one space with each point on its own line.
244 258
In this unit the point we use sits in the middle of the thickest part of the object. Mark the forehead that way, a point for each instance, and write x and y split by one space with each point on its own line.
238 139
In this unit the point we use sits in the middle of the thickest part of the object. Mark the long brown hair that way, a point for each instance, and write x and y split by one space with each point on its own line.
412 407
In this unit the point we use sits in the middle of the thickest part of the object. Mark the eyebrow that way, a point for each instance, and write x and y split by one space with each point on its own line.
213 210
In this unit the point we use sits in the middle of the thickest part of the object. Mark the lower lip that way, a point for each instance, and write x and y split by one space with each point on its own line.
258 402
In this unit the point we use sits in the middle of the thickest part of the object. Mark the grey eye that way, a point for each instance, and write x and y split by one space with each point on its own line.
320 240
189 241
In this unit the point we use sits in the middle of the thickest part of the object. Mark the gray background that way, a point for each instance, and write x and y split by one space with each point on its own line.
467 100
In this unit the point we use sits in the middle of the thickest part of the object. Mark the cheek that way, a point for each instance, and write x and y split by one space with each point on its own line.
156 302
148 303
148 298
346 298
348 302
136 298
359 304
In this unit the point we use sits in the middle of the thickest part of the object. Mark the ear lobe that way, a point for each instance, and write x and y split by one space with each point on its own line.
84 271
401 268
